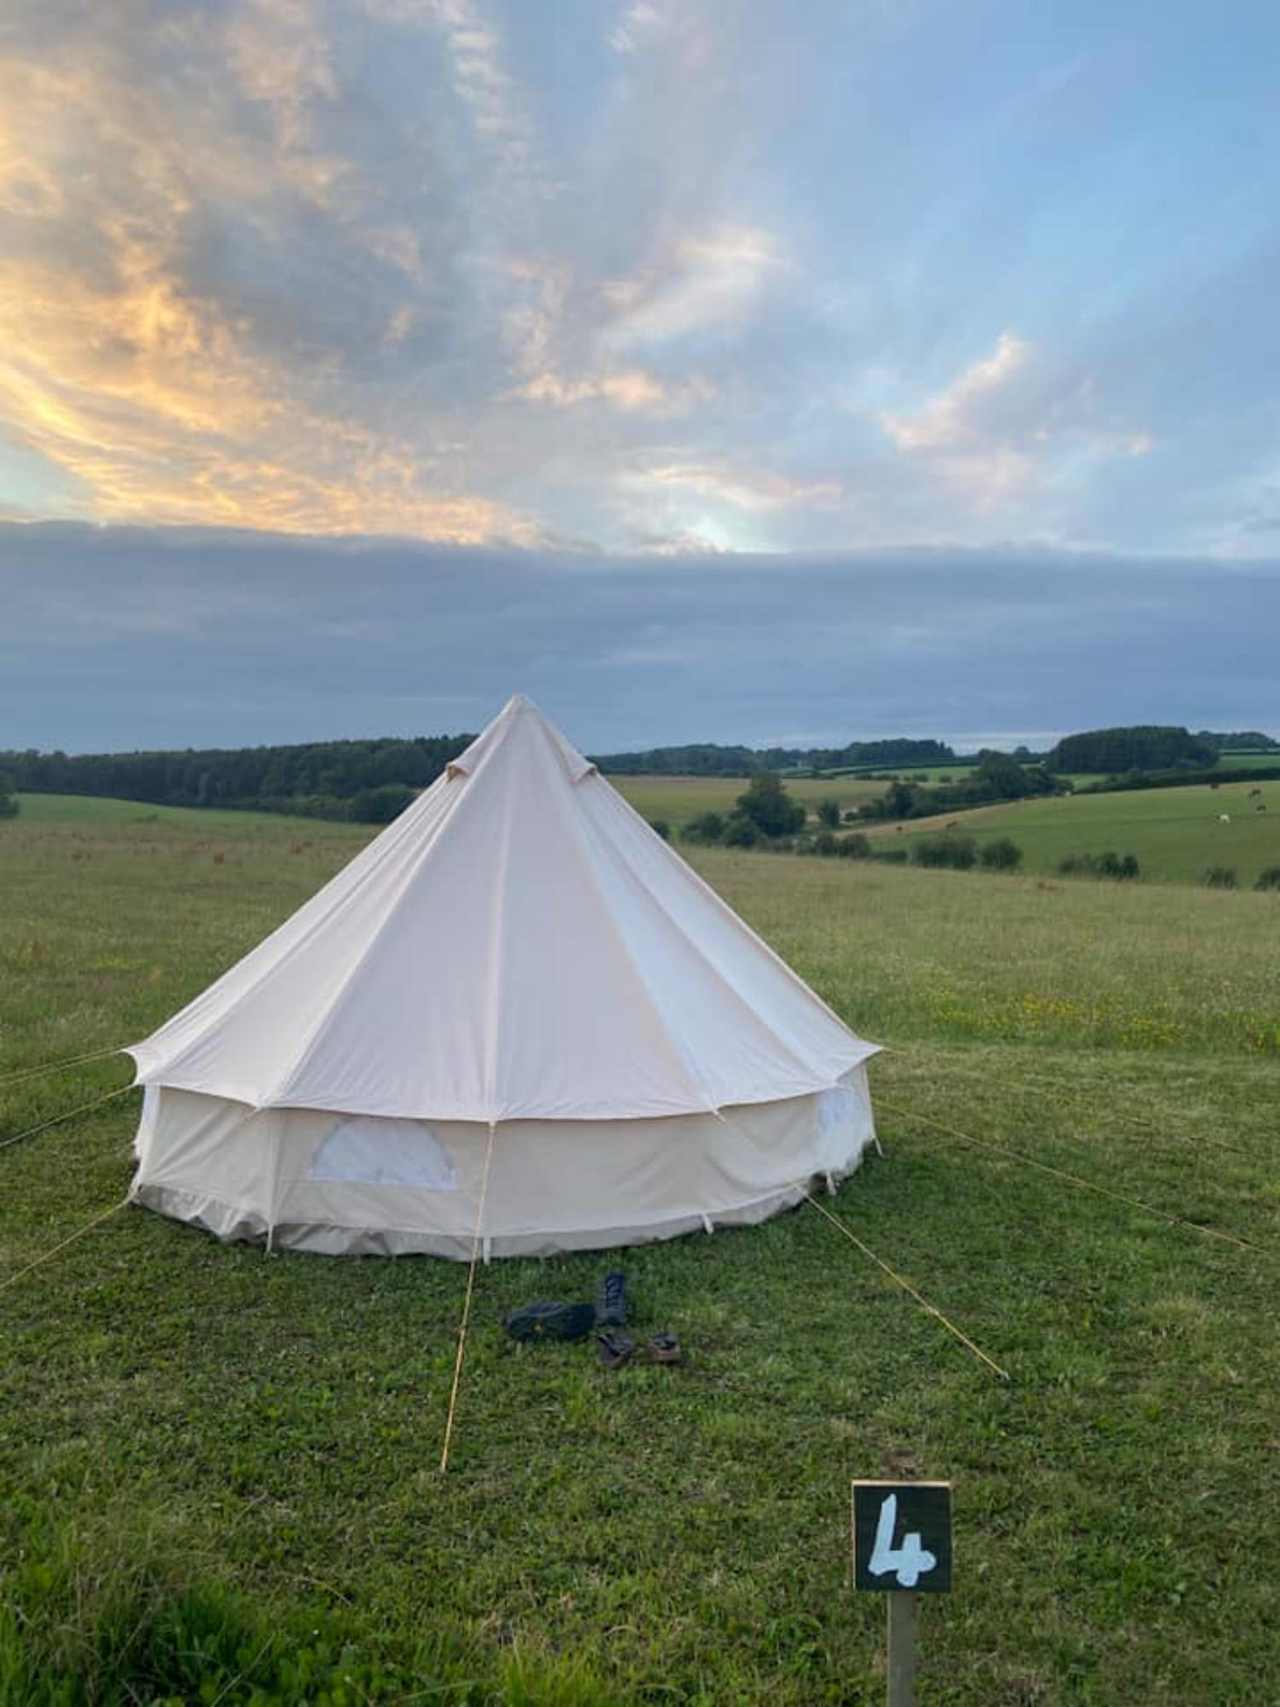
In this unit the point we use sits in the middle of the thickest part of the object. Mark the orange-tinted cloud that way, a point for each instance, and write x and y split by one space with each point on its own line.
154 398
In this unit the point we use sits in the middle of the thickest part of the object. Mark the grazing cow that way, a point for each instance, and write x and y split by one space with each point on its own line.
1224 818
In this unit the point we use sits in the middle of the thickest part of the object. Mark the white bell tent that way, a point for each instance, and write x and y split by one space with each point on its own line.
518 1011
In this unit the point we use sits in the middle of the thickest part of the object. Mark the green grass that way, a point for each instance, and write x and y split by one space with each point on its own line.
1175 832
1247 758
218 1469
86 811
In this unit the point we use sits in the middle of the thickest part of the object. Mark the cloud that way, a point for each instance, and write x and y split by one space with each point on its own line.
633 390
157 393
280 55
671 274
1007 425
743 488
146 397
640 25
694 284
121 637
952 419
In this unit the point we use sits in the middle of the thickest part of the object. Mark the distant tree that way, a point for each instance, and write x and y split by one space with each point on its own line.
379 805
1007 779
897 801
1120 866
742 832
960 853
705 829
9 802
661 827
1219 877
1140 747
856 846
829 814
1269 879
768 807
1002 854
1251 740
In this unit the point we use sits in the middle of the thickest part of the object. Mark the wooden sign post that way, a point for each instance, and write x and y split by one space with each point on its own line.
902 1547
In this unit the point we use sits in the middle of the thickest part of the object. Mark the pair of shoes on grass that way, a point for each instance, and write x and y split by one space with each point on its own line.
616 1348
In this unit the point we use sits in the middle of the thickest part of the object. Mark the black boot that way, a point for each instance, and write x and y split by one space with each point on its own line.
611 1303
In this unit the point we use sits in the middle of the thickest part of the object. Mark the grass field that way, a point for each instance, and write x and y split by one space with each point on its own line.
218 1469
1175 832
1247 758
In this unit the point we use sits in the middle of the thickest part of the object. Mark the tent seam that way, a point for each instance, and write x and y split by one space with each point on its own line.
322 921
723 907
308 1048
493 1001
688 1063
615 850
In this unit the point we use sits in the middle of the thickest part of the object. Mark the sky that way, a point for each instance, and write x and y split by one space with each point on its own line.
705 369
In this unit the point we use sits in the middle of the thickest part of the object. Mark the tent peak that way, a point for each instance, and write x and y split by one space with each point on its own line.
520 721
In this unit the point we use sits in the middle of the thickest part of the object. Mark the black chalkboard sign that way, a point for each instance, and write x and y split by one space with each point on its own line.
902 1536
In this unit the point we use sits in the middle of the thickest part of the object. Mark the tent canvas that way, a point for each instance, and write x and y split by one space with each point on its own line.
518 970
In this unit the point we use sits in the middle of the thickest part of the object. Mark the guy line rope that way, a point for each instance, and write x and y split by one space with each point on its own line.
57 1119
1074 1179
25 1073
62 1244
907 1287
466 1303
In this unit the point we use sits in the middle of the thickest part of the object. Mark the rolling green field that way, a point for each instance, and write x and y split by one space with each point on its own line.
218 1469
1247 758
1175 832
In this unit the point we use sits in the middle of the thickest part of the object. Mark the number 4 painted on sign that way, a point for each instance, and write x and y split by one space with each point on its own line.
910 1561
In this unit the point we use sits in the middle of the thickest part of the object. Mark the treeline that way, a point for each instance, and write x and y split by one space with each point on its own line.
708 759
8 803
997 776
1249 738
323 779
1132 780
1143 747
